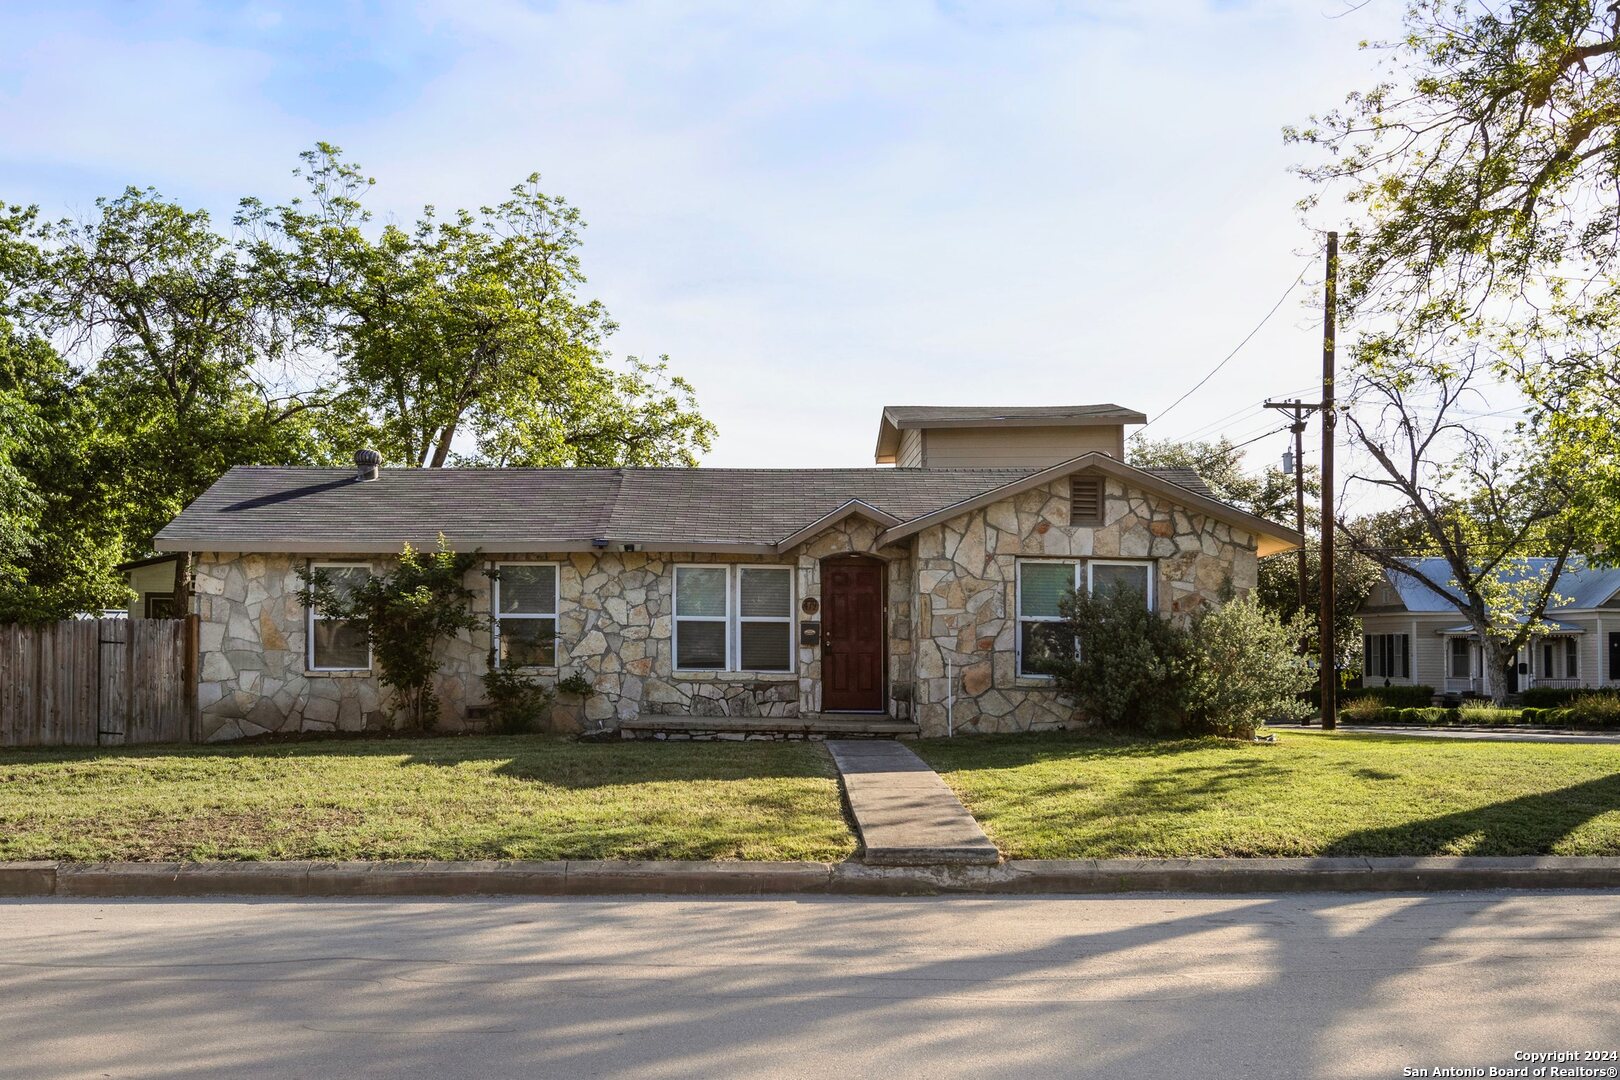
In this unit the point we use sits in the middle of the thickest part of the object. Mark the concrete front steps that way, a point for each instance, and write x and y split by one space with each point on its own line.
762 728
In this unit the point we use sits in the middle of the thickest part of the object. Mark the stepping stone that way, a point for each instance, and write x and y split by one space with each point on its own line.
904 812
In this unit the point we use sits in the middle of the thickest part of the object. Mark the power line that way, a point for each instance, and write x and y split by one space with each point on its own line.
1231 419
1235 418
1226 451
1303 270
1257 438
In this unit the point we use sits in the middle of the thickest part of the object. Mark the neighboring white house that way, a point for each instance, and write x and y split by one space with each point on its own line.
152 582
1414 636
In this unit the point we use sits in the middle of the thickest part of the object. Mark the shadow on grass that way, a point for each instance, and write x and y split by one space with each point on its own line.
547 759
1527 825
1165 790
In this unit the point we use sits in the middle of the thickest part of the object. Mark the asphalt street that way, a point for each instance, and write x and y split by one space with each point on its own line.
1149 986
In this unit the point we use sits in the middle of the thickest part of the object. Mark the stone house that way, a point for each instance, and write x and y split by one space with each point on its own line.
1414 636
895 599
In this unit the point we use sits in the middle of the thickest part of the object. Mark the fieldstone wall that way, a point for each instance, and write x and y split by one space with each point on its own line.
253 675
966 575
615 626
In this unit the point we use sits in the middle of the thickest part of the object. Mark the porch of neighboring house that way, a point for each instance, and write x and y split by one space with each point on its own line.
1550 660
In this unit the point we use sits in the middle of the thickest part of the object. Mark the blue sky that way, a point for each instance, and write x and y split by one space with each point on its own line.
815 209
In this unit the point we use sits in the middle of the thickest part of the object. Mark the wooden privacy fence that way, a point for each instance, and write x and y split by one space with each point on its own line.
98 682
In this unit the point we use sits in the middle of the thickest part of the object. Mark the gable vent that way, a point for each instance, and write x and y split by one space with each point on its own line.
1085 500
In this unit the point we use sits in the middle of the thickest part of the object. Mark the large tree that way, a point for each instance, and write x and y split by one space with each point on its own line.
57 549
1484 176
464 339
162 373
1482 506
144 351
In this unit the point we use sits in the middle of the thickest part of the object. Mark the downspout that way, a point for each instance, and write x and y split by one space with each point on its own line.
950 700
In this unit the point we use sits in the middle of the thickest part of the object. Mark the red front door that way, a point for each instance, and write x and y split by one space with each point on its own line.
852 637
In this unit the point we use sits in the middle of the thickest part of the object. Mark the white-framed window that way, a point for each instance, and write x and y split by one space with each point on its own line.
1560 659
1042 583
764 618
733 618
524 599
1461 660
1137 576
338 644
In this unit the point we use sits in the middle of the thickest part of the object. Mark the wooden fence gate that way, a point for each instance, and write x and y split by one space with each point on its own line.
98 682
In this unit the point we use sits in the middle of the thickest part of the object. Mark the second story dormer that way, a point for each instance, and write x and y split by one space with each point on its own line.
1030 436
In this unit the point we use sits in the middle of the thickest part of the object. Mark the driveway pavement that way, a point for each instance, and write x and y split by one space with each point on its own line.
1160 986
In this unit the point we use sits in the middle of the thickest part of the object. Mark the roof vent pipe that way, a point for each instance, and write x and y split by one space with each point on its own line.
366 463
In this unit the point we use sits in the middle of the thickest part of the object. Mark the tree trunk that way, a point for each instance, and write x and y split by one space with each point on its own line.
441 451
1496 657
182 585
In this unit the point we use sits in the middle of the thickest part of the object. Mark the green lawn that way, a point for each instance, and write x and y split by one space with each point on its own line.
529 797
1066 796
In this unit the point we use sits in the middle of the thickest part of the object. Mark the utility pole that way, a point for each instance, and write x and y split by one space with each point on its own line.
1329 667
1299 410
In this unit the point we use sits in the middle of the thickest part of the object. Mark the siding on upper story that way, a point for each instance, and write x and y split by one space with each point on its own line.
910 454
154 578
1009 447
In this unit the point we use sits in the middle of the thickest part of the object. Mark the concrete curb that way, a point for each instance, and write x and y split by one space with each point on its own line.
613 878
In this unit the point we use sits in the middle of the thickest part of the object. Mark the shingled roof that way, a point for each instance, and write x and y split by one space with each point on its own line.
514 510
911 416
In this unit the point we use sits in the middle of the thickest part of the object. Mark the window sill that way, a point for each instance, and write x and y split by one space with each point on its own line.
339 673
1034 682
529 669
736 676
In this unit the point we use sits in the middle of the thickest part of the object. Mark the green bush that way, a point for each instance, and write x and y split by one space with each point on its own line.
1597 707
1129 672
1363 712
1364 709
516 703
1394 697
1594 710
1490 715
576 684
1548 697
1234 668
1244 670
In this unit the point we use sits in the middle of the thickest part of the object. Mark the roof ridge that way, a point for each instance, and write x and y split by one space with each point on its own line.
697 470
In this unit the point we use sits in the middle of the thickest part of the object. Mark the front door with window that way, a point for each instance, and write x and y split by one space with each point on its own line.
852 636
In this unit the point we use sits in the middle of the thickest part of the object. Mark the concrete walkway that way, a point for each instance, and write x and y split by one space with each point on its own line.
1484 734
905 814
